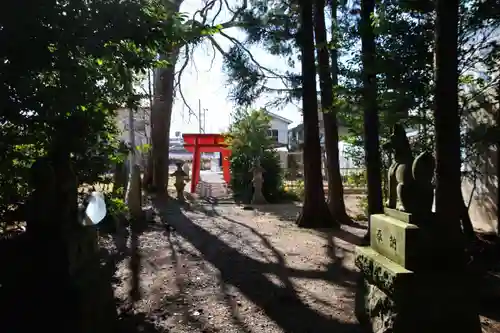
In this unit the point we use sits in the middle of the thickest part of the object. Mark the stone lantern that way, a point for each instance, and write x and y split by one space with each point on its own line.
180 181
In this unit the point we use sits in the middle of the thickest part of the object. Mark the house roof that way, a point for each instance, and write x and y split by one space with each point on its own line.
300 127
297 128
283 119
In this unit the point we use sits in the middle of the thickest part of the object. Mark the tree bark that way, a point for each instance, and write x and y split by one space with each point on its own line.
328 80
448 159
315 212
161 115
147 179
447 124
161 112
497 123
370 117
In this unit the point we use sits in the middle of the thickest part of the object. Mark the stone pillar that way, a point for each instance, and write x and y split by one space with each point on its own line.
195 167
226 165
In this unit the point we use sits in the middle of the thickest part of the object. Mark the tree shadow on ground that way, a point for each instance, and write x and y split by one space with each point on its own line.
31 292
486 264
289 213
137 322
133 316
335 272
280 303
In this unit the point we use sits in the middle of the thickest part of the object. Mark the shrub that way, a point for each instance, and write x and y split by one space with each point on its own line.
241 176
249 140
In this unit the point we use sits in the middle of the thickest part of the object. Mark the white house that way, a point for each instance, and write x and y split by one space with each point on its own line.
279 128
296 134
142 129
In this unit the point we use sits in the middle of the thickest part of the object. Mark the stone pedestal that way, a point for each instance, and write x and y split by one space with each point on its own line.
402 288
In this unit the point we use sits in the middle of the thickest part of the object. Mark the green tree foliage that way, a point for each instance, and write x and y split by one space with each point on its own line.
273 26
249 141
65 67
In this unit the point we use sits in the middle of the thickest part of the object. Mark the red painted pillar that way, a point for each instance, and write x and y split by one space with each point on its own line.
195 167
226 171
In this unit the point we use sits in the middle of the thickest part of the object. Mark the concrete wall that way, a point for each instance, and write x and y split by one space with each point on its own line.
480 188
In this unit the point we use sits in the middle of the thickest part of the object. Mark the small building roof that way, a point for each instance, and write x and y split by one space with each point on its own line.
283 119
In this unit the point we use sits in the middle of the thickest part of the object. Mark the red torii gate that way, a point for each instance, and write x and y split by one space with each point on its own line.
198 143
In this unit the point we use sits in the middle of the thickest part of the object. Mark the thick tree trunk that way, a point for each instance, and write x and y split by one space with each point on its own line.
447 123
315 212
161 115
48 220
497 123
448 160
327 81
371 122
161 112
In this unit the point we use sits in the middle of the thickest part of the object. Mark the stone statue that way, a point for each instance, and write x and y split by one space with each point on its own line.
403 158
410 180
257 181
423 174
180 181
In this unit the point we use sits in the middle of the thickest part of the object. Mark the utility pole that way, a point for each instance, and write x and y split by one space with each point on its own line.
205 120
131 132
201 118
199 115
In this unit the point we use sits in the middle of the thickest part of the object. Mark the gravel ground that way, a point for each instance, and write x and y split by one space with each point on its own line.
225 269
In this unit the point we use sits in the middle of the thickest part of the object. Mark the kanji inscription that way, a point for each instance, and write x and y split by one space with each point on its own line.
392 242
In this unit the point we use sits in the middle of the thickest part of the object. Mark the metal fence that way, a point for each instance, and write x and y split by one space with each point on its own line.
352 178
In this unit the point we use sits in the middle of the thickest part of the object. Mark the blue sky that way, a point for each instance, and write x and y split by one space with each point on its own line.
208 84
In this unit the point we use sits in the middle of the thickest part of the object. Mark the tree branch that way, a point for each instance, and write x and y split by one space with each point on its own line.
178 75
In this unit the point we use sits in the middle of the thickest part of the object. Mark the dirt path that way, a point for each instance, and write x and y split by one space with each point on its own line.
229 270
224 269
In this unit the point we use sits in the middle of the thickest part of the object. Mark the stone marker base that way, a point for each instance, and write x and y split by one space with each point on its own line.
426 305
405 286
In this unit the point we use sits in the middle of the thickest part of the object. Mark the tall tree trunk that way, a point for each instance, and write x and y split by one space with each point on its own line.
448 160
161 116
327 83
371 122
315 212
447 122
147 180
161 113
497 123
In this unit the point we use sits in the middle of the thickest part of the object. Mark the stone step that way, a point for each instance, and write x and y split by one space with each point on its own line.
212 190
397 240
